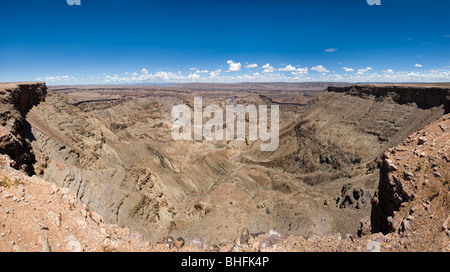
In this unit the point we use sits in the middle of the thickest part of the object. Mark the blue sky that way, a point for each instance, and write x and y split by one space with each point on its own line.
136 41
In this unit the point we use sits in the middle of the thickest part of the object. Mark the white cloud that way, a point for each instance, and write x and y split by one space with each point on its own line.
193 76
364 70
113 78
294 70
161 75
148 77
320 69
144 71
215 73
52 78
418 65
250 66
268 68
285 73
446 36
288 68
331 50
300 71
233 66
58 78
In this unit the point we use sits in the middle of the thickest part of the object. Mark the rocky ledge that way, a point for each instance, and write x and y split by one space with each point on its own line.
413 194
425 96
16 99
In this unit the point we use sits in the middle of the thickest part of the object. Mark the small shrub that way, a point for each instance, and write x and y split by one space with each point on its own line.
17 182
5 182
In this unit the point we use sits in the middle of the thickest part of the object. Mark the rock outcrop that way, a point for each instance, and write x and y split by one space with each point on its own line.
38 216
16 99
415 181
424 96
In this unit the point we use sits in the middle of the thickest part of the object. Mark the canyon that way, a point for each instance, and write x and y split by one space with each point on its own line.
334 171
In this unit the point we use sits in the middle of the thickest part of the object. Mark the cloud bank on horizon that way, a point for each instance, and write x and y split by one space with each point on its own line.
119 41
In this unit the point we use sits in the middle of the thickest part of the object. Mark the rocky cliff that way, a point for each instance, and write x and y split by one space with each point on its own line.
16 100
415 181
424 96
